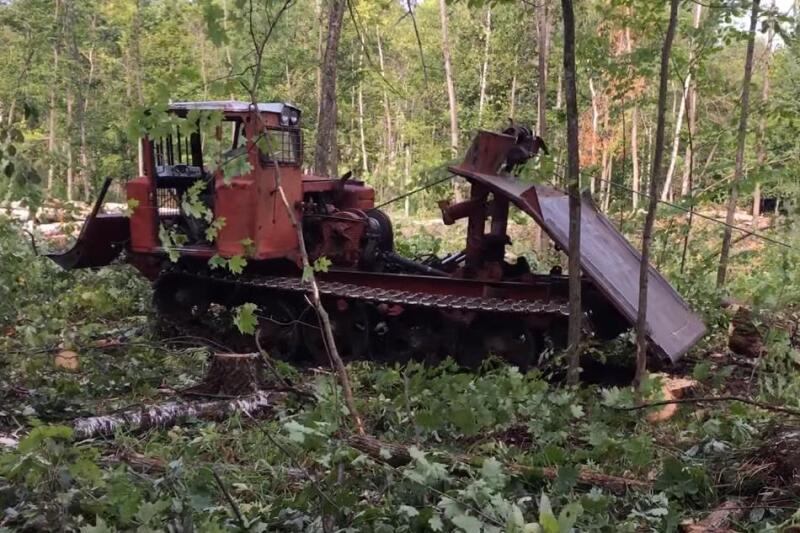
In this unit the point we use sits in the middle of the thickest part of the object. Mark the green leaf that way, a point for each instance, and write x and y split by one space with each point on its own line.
98 527
212 231
492 473
568 516
546 517
236 264
148 511
467 523
130 206
435 523
322 264
245 318
217 261
237 164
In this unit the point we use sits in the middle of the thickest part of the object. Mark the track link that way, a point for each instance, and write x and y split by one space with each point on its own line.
494 325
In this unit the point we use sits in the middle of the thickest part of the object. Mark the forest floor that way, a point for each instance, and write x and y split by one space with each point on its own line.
493 450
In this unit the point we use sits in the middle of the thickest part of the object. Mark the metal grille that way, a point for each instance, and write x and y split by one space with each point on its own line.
284 145
168 201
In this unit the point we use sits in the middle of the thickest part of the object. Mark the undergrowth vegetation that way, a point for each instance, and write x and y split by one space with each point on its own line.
494 450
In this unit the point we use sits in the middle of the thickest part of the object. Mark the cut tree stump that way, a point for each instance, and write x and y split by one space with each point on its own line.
231 374
672 388
745 336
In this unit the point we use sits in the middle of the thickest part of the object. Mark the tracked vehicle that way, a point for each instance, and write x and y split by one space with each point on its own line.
383 306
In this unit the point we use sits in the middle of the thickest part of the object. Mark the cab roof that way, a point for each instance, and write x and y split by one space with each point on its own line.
228 106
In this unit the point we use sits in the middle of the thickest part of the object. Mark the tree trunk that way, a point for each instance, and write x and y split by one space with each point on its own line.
232 374
512 104
574 185
595 119
364 160
326 151
451 91
137 59
68 143
634 134
172 414
387 110
543 45
656 173
761 150
51 139
559 90
86 174
666 191
691 114
738 171
485 67
407 179
607 184
635 157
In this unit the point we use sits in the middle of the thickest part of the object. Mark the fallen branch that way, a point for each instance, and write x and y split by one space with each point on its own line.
397 455
172 414
741 399
237 513
716 521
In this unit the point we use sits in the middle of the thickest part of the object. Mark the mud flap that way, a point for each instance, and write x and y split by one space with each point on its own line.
101 240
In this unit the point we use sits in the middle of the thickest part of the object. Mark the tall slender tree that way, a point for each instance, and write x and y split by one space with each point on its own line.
574 185
761 149
741 137
326 153
451 89
656 177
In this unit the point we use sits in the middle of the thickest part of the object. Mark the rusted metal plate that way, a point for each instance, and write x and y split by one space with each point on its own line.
102 238
613 264
607 258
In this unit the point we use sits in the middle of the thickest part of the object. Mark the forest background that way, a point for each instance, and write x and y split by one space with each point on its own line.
414 81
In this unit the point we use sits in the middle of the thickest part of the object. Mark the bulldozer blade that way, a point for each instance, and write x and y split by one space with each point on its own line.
607 257
101 240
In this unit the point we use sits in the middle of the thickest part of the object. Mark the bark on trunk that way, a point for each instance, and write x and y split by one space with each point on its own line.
543 45
666 191
635 157
691 114
573 180
738 171
387 110
658 155
364 158
487 35
172 414
761 151
595 119
326 151
51 140
232 375
634 135
451 90
407 179
512 104
68 143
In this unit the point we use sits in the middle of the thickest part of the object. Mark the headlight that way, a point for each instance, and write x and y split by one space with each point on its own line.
294 117
285 116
